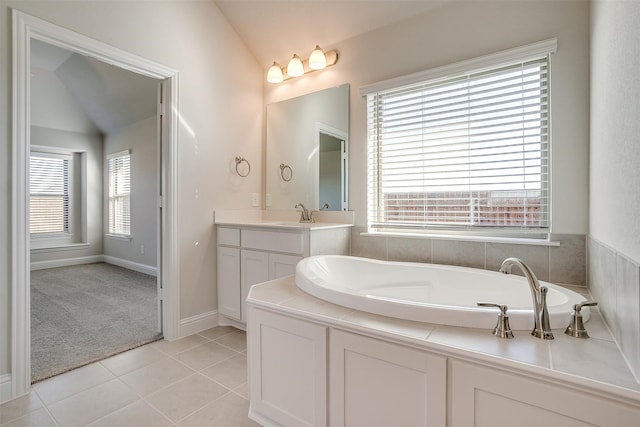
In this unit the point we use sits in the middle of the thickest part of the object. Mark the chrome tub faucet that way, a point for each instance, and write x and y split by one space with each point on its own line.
541 326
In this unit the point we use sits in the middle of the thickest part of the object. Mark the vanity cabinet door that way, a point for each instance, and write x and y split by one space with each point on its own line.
287 370
282 265
376 383
255 269
483 396
229 282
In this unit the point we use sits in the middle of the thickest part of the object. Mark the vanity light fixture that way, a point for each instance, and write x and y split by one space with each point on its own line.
275 75
297 67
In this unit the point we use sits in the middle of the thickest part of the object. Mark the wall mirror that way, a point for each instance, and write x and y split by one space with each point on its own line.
307 151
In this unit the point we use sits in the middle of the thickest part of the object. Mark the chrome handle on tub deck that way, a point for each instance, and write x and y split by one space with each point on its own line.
576 326
502 329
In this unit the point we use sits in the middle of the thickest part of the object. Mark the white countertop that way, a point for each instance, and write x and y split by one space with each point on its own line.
595 363
282 219
291 225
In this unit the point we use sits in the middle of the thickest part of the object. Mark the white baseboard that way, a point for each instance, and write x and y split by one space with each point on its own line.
198 323
225 321
135 266
141 268
5 388
260 419
41 265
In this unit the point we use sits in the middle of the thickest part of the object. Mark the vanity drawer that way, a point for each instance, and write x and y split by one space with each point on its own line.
228 236
274 241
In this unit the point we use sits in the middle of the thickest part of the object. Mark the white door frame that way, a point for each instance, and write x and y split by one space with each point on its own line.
25 28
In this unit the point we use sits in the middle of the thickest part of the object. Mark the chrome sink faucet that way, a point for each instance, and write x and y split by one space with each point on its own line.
541 326
305 214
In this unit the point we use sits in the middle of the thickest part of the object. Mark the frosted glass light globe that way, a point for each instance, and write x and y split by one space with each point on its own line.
317 59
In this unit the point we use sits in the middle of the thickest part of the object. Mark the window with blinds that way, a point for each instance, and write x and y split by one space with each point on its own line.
465 152
119 217
49 193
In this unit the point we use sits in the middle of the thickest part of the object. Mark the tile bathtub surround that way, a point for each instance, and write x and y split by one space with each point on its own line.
198 380
564 264
614 281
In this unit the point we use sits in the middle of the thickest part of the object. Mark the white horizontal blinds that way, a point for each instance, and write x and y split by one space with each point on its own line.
119 169
468 151
48 193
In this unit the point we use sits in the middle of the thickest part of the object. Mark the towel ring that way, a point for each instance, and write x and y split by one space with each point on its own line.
243 160
286 176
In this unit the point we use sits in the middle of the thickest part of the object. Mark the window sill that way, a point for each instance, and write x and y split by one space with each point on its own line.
60 247
119 237
462 238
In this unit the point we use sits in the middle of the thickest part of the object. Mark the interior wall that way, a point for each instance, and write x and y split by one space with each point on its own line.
142 139
464 30
614 243
221 116
454 32
615 128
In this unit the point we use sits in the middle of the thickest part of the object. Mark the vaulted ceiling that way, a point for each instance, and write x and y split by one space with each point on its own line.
271 29
276 29
111 97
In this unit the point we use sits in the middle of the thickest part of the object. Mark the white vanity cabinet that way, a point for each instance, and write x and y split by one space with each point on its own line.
248 255
483 396
229 272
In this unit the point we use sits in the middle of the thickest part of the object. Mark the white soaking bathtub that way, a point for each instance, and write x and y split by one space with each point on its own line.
430 293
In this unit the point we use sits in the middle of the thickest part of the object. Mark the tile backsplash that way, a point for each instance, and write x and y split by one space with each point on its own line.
564 264
614 281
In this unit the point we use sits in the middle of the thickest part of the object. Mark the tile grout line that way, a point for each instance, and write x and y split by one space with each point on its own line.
113 376
195 371
203 407
144 398
46 408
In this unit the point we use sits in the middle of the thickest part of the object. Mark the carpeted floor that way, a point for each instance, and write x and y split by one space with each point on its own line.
84 313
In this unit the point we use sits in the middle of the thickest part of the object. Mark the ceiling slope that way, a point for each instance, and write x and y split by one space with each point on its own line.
274 30
110 96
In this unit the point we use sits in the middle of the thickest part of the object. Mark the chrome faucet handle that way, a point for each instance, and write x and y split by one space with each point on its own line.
502 329
576 325
312 217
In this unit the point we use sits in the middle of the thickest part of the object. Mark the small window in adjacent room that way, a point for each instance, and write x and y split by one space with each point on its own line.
119 216
463 149
49 194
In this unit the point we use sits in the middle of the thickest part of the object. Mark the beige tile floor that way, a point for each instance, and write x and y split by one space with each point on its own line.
200 380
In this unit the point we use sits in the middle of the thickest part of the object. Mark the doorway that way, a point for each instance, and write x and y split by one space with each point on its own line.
94 219
25 29
331 184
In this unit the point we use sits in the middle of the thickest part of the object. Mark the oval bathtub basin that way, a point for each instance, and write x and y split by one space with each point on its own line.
430 293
